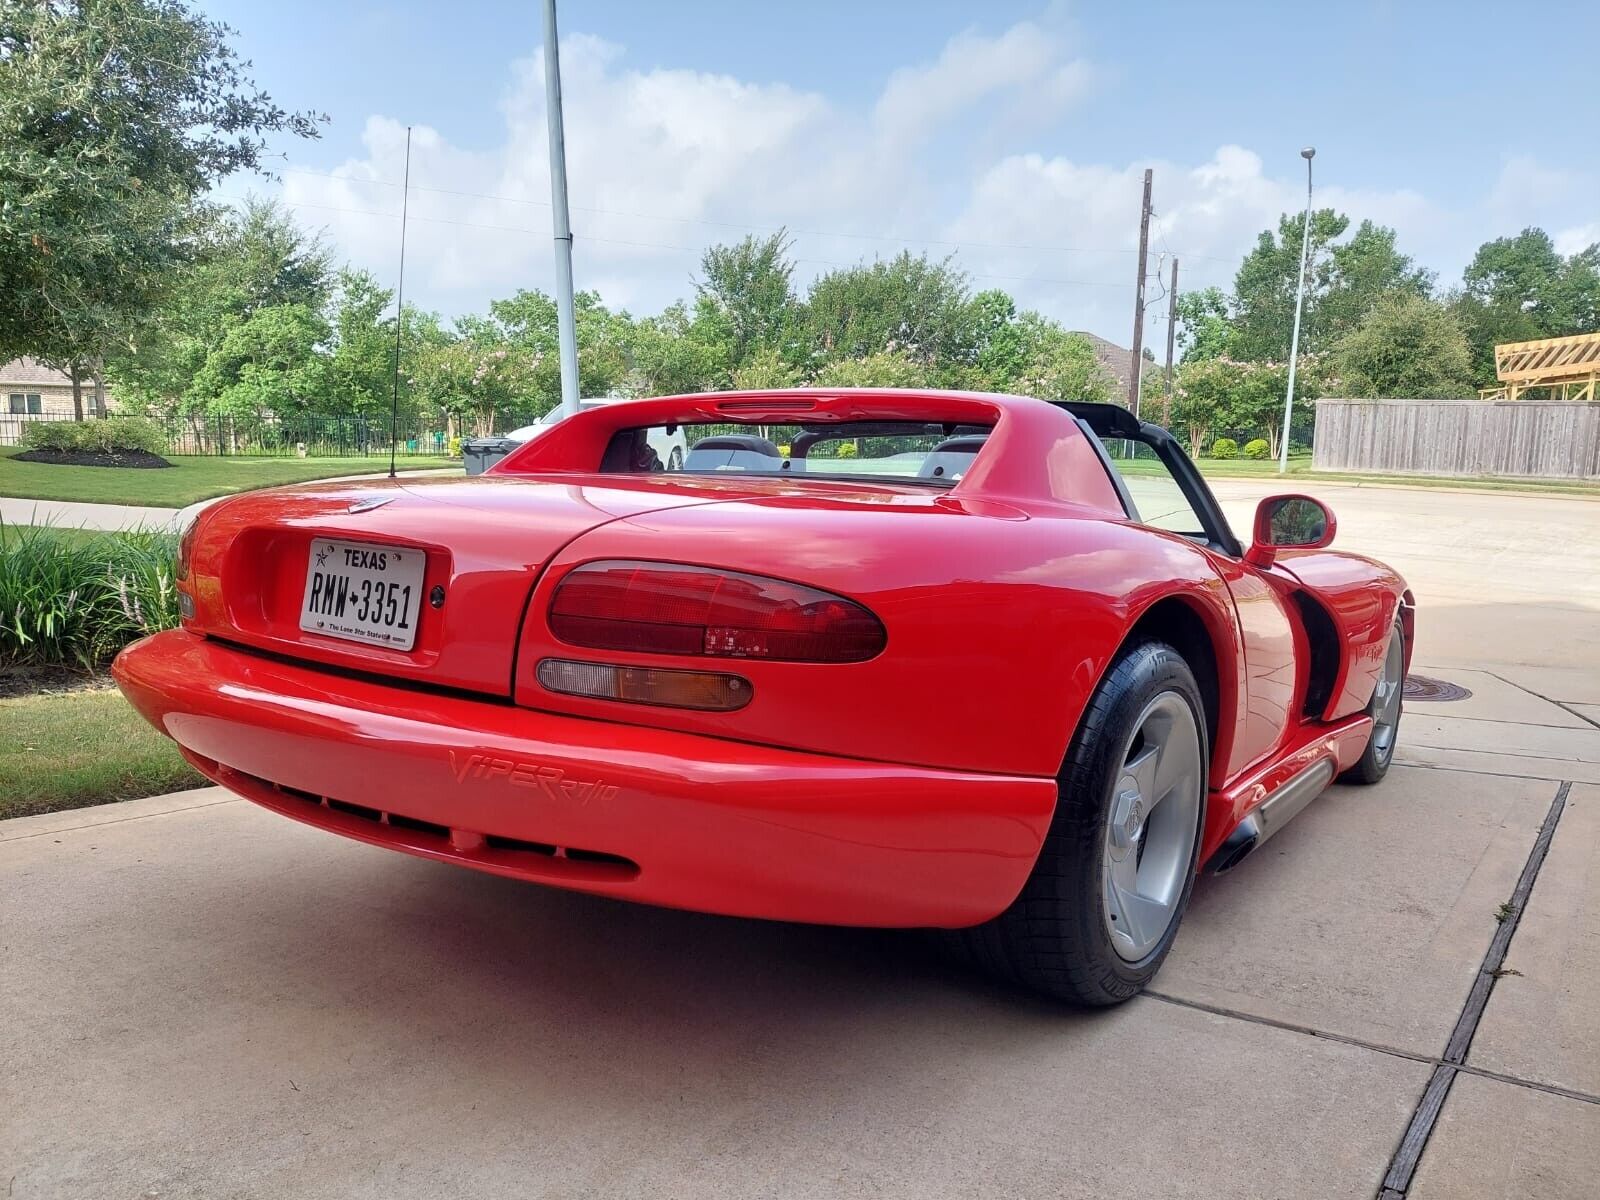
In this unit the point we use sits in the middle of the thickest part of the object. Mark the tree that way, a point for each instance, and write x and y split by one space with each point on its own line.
1366 269
910 304
1255 407
884 368
1343 281
1264 288
1406 346
241 262
528 321
1200 391
1002 350
680 351
271 362
1060 365
749 283
765 369
360 375
476 376
116 116
1205 325
1520 288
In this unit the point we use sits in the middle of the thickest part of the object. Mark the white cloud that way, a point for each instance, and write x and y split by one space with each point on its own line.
1578 238
665 161
1026 60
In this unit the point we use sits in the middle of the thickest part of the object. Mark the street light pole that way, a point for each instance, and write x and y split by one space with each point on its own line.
566 322
1299 302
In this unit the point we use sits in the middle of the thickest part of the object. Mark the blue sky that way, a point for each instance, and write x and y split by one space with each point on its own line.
1013 135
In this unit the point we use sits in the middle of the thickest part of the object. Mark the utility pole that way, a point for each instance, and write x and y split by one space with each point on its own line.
566 322
1172 329
1137 359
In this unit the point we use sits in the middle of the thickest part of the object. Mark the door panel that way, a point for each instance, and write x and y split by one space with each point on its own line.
1271 681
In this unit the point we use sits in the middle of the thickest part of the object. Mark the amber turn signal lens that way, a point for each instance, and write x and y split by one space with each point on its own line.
708 691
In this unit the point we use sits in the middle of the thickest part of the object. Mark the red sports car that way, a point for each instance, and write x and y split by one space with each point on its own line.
894 658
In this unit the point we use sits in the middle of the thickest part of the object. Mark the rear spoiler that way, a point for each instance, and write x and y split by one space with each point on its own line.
1036 450
1106 420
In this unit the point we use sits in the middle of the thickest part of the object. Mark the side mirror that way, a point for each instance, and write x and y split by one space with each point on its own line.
1284 522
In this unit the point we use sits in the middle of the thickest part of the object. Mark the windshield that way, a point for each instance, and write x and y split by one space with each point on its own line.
900 451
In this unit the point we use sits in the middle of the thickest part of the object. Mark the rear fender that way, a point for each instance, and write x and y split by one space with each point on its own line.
999 627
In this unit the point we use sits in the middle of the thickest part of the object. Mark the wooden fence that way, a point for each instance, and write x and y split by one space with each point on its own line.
1523 438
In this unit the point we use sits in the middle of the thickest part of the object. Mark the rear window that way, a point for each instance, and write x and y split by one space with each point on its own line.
934 454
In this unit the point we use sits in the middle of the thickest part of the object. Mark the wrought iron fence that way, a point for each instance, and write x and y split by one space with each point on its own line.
309 437
306 437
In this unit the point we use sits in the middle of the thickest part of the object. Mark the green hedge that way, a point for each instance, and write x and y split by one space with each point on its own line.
1257 448
1224 448
77 599
95 437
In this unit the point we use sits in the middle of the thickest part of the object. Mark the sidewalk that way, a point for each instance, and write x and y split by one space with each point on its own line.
76 515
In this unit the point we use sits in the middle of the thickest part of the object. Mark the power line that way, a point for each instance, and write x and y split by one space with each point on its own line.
749 227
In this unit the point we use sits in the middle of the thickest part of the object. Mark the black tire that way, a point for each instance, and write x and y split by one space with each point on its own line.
1375 760
1054 938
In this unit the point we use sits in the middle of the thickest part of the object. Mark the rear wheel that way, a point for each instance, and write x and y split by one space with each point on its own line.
1384 708
1099 912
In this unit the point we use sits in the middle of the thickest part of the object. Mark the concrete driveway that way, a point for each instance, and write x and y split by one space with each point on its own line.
203 999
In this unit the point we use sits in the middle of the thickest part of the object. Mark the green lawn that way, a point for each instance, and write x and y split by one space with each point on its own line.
188 480
72 749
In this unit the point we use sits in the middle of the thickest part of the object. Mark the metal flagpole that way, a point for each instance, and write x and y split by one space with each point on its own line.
399 310
566 324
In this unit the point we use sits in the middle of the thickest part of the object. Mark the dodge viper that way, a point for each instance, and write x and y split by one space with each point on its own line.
984 664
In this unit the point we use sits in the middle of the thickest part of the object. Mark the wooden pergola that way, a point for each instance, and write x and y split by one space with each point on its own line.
1568 366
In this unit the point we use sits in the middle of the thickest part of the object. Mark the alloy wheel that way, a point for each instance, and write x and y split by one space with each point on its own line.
1150 836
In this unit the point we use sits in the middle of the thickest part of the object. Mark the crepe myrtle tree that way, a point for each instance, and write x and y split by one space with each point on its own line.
473 378
1255 405
1202 389
1214 395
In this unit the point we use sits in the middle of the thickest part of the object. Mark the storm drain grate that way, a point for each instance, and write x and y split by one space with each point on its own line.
1425 687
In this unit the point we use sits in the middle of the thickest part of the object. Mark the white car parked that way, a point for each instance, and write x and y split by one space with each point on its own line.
670 448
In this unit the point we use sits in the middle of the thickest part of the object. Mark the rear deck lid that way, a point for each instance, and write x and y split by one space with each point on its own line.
448 565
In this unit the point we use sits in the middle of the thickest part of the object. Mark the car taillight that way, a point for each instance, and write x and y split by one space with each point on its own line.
665 608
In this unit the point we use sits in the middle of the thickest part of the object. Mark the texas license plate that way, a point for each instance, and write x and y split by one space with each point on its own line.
363 593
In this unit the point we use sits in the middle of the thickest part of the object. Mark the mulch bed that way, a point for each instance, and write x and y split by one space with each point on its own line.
27 679
85 458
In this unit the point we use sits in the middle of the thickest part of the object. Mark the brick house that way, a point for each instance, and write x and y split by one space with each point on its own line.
29 390
1117 362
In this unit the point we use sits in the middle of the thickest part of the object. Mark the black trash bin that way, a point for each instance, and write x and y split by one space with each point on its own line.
479 454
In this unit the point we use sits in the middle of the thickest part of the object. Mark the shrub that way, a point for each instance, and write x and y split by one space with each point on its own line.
1257 448
122 433
847 449
50 435
95 437
454 450
1224 448
74 599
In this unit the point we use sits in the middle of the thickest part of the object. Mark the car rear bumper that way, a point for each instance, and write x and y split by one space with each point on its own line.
621 810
